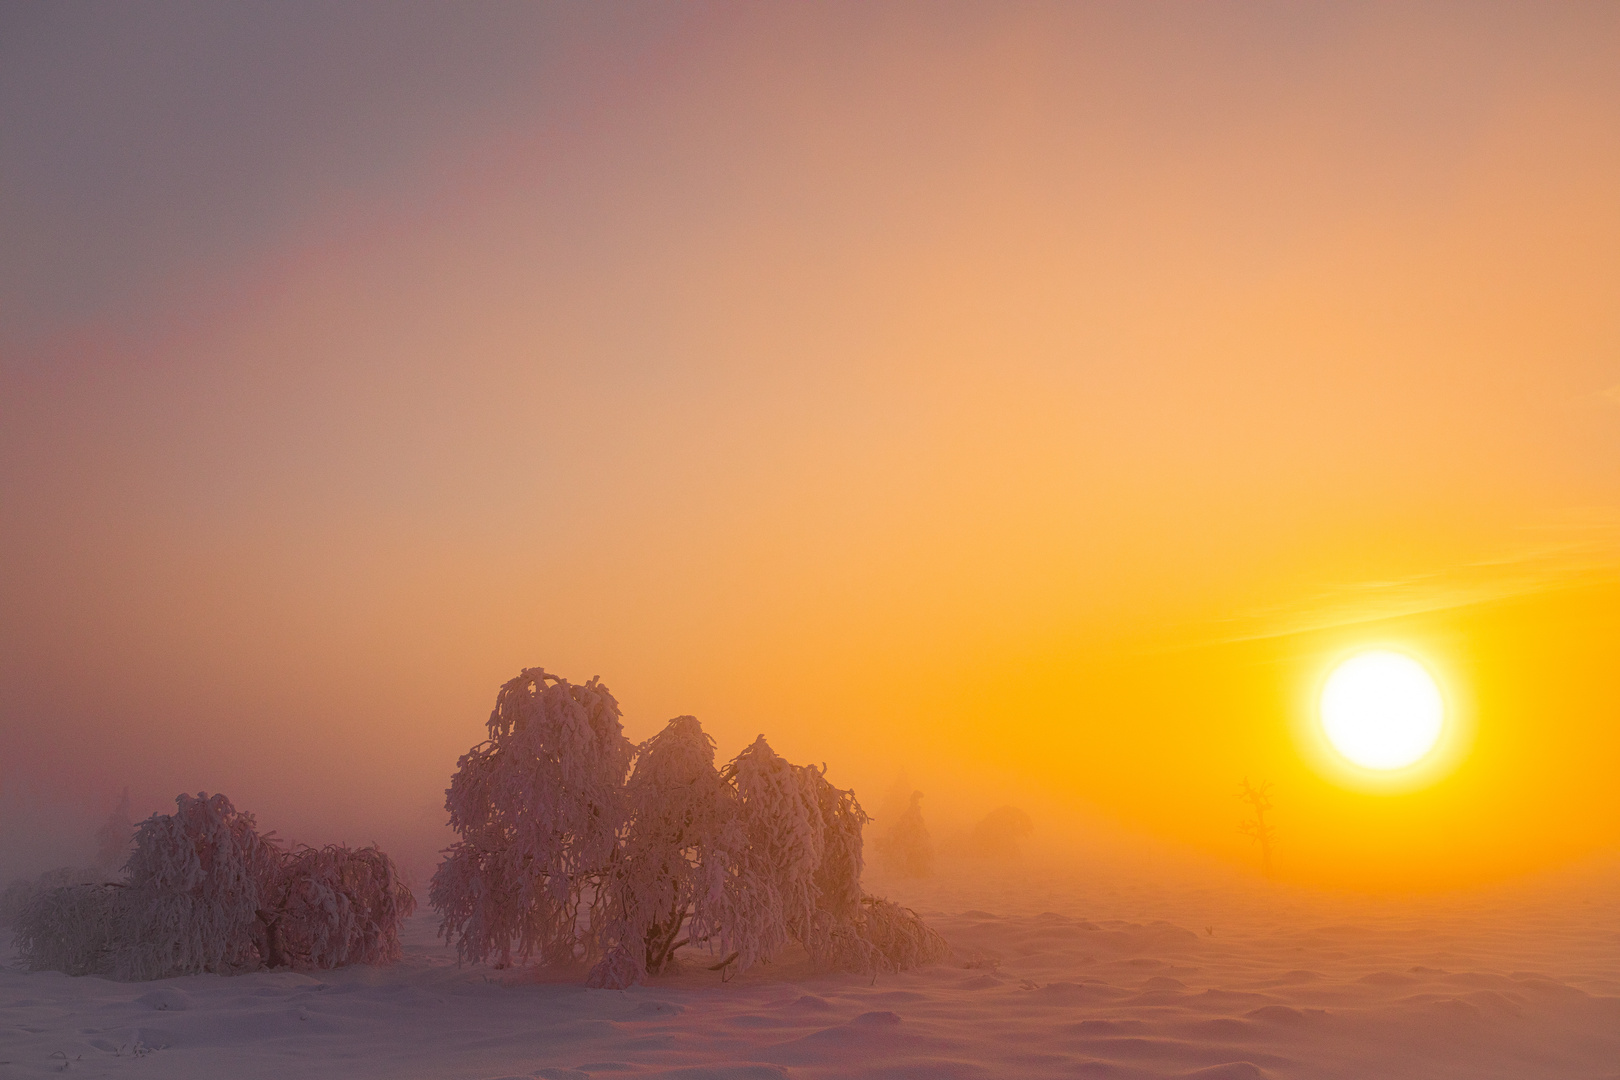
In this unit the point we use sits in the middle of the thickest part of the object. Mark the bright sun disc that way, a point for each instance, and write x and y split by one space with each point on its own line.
1381 710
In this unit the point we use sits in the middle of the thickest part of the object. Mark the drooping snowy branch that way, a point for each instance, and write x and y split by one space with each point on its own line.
196 881
203 891
539 807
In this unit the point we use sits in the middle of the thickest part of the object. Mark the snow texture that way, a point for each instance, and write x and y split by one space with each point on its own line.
1057 973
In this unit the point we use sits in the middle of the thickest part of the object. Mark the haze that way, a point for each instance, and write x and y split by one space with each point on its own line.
1034 400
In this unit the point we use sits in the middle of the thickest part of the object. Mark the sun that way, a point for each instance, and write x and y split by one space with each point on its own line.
1382 710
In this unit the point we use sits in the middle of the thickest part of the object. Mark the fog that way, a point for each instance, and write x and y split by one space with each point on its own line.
1033 401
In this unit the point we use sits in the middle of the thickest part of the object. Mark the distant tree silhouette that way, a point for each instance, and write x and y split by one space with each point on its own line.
905 846
998 833
1258 796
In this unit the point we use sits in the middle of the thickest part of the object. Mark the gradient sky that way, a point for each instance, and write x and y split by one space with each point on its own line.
1035 399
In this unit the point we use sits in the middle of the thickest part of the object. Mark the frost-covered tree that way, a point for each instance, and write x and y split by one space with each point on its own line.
768 891
73 928
204 891
16 896
576 844
197 880
679 811
999 833
539 806
333 906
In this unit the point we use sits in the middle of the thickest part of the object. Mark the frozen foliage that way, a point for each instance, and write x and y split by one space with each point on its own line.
879 936
71 928
768 892
679 813
203 891
905 846
16 895
538 806
566 851
197 880
333 906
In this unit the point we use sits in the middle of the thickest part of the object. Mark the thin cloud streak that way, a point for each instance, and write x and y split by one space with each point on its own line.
1582 553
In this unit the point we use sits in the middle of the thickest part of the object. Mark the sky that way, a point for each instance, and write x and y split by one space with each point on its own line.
1034 400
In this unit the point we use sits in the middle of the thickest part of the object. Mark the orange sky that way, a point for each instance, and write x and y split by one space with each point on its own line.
1032 399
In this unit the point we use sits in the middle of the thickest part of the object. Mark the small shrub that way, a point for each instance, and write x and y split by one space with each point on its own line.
197 881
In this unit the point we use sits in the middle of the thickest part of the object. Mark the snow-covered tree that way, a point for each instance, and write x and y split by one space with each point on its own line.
197 880
333 906
999 833
71 928
16 896
576 844
679 810
768 890
538 806
203 891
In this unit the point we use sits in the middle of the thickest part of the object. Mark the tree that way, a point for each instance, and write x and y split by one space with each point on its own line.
1257 828
575 844
196 882
679 811
203 891
999 833
333 906
906 846
539 806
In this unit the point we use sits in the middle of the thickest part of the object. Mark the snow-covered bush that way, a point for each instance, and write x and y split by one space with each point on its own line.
15 896
72 928
203 891
768 891
905 846
197 881
335 905
539 807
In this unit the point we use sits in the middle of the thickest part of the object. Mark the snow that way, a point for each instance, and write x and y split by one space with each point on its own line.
1087 972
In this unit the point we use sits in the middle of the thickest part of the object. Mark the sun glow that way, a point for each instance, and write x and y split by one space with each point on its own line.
1382 710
